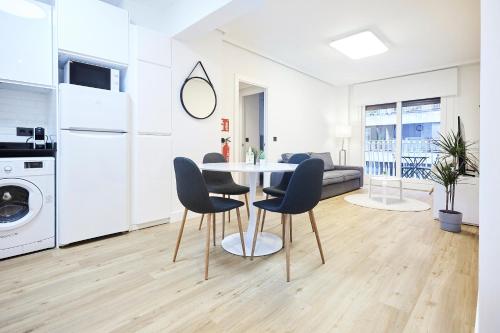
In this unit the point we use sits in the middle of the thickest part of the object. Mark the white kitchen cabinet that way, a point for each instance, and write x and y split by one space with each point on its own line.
153 113
94 29
153 46
149 86
152 183
466 199
26 52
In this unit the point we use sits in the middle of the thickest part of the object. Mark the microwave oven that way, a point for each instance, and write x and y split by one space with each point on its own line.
91 76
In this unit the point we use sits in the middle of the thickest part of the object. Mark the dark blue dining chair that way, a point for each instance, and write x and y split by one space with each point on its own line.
194 196
278 191
302 195
222 183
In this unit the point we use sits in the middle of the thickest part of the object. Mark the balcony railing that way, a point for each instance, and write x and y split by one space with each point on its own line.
417 157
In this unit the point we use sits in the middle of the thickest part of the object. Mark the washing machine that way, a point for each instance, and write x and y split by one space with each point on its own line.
27 208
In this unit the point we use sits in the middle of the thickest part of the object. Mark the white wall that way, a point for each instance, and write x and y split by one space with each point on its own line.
301 110
465 104
459 88
192 137
489 234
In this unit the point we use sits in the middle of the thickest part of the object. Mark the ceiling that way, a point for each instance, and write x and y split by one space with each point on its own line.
422 35
156 4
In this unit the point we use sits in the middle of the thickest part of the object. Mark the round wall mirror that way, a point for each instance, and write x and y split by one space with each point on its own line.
198 97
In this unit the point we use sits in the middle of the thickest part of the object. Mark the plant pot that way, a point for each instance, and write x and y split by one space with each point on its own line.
450 220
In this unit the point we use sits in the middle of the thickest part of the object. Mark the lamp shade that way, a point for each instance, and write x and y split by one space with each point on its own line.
343 131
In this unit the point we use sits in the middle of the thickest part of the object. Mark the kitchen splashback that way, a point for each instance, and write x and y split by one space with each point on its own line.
21 108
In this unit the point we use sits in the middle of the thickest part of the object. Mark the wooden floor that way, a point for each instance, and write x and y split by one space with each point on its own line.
385 272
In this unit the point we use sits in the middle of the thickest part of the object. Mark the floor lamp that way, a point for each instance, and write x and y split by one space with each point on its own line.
343 132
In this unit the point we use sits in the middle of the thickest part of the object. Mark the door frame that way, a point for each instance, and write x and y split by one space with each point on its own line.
239 120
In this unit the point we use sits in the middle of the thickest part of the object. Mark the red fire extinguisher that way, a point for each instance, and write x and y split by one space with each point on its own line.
225 148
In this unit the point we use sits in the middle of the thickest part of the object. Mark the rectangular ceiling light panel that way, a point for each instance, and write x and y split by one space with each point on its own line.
360 45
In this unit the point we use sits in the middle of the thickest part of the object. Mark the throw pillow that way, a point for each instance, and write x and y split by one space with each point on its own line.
285 157
327 158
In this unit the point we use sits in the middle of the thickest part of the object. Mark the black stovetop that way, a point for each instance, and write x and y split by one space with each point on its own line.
20 149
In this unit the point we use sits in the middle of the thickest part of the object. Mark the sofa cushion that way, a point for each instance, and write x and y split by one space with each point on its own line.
285 157
340 176
327 158
332 177
350 174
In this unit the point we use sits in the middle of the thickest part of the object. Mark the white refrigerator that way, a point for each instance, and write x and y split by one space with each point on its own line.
93 168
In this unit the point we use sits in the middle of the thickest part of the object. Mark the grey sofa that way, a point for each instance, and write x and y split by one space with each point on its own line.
337 179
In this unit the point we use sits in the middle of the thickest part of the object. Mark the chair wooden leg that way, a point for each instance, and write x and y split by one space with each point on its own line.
223 221
287 247
315 228
229 213
248 208
223 225
241 232
181 230
213 225
201 221
282 231
255 233
263 219
207 244
264 216
291 228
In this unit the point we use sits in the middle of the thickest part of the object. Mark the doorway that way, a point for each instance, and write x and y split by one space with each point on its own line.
252 121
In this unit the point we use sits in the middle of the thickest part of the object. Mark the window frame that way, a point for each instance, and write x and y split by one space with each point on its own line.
411 183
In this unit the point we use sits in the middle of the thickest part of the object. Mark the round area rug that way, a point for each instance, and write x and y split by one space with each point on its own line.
393 203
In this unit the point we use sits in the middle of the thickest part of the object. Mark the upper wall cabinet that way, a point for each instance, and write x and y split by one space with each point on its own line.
153 46
154 99
94 29
26 47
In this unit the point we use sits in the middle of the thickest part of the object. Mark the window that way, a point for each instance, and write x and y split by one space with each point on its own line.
410 125
420 127
380 139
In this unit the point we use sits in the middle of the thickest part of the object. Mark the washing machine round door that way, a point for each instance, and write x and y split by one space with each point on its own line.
20 202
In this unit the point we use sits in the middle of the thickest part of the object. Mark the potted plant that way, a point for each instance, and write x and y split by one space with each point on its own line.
454 159
255 152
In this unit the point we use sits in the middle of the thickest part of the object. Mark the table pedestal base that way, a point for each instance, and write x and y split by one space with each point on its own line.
267 243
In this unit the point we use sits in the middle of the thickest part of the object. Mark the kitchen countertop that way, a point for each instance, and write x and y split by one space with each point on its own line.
20 149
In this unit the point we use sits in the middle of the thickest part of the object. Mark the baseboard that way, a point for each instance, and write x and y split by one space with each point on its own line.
176 216
406 186
134 227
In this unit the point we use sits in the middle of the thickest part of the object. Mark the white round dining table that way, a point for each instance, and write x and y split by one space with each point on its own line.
267 243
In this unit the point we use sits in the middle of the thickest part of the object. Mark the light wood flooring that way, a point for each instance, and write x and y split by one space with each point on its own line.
385 272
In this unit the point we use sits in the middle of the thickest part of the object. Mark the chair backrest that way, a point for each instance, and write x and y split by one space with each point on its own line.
191 188
304 190
294 159
216 177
